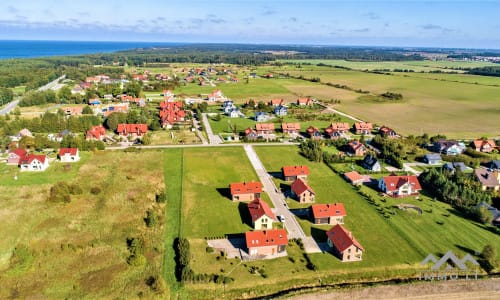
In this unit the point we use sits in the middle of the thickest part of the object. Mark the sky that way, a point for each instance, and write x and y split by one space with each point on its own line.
443 23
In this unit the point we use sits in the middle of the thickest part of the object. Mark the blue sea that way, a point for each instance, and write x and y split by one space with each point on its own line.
26 49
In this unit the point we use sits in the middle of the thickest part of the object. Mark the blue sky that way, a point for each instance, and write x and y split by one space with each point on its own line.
470 24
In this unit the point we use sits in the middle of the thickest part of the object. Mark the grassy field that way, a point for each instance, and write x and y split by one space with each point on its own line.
79 249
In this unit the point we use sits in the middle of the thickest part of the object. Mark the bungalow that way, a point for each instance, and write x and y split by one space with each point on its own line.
354 178
432 159
264 128
343 244
292 173
387 132
290 128
261 116
363 128
304 102
371 163
356 148
15 156
400 186
448 147
96 133
276 102
452 166
302 191
69 155
337 130
132 130
489 180
266 242
328 213
245 191
261 214
314 133
281 110
251 134
483 145
171 113
494 165
33 162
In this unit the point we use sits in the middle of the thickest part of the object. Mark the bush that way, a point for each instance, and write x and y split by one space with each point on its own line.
75 189
209 250
151 218
60 192
22 258
95 190
488 258
161 197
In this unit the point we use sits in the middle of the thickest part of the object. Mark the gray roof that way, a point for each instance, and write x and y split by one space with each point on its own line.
495 164
433 156
453 165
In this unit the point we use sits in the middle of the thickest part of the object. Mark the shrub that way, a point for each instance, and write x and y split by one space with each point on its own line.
488 258
60 192
161 197
151 218
22 258
209 250
95 190
75 189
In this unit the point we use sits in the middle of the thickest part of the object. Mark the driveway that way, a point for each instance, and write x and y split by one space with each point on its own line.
213 139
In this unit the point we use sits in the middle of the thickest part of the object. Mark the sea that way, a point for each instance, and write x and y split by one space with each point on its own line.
30 49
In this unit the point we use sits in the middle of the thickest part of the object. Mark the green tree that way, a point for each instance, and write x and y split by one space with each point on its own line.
114 119
489 258
87 110
64 94
6 95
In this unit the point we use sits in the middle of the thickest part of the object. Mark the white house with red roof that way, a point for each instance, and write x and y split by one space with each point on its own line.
261 214
400 186
290 128
216 95
245 191
266 242
292 173
33 162
15 156
343 244
332 214
302 191
304 101
69 154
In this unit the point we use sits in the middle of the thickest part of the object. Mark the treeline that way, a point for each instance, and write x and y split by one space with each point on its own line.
32 73
486 71
391 150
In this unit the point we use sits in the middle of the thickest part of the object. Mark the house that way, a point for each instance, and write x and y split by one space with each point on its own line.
261 214
302 191
305 101
400 186
264 128
261 116
356 148
328 213
452 166
485 146
171 113
60 136
33 162
268 76
227 105
138 101
290 128
266 242
314 133
251 134
132 130
276 102
234 113
448 147
77 90
15 156
489 180
363 128
343 244
140 77
337 130
23 133
73 110
216 95
371 163
245 191
494 165
69 154
354 178
432 159
95 133
281 110
292 173
387 132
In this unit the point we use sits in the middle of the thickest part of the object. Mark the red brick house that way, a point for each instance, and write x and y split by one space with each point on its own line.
400 186
388 132
343 244
15 156
245 191
266 242
337 130
264 128
290 128
261 214
484 145
356 148
292 173
96 133
328 213
314 133
302 191
363 128
132 130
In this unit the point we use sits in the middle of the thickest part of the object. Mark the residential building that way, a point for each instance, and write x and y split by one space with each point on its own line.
245 191
363 128
96 133
251 134
69 154
261 214
171 113
277 102
432 159
343 244
292 173
354 178
15 156
132 130
290 128
494 165
266 242
337 130
314 133
387 132
448 147
302 191
489 179
328 213
33 162
281 111
371 163
485 146
356 148
261 116
400 186
264 128
305 102
452 166
234 113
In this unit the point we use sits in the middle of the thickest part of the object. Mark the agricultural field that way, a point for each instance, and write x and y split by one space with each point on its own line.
79 249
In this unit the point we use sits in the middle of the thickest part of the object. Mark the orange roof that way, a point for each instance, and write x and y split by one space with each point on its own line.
394 182
263 238
385 130
132 128
299 186
328 210
245 187
342 238
363 126
312 129
355 145
264 126
353 176
481 143
259 208
250 131
277 101
304 100
70 151
295 170
338 126
290 126
96 132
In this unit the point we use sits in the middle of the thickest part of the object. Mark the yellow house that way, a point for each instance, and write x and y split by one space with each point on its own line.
261 214
343 244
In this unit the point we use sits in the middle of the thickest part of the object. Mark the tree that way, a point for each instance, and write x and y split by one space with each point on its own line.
6 95
114 119
133 88
483 215
489 258
146 139
64 94
87 110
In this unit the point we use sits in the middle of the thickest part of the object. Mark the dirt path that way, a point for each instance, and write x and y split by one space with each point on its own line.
457 289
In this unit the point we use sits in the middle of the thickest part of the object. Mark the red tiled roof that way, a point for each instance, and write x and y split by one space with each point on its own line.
337 127
245 187
28 159
304 100
249 131
132 128
299 186
20 152
363 126
342 238
328 210
262 238
259 208
70 151
481 143
353 176
264 126
295 170
311 129
394 182
385 130
96 132
277 101
290 126
355 145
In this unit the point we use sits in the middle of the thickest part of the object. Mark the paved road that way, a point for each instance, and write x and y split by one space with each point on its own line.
212 138
53 84
196 125
200 145
9 107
